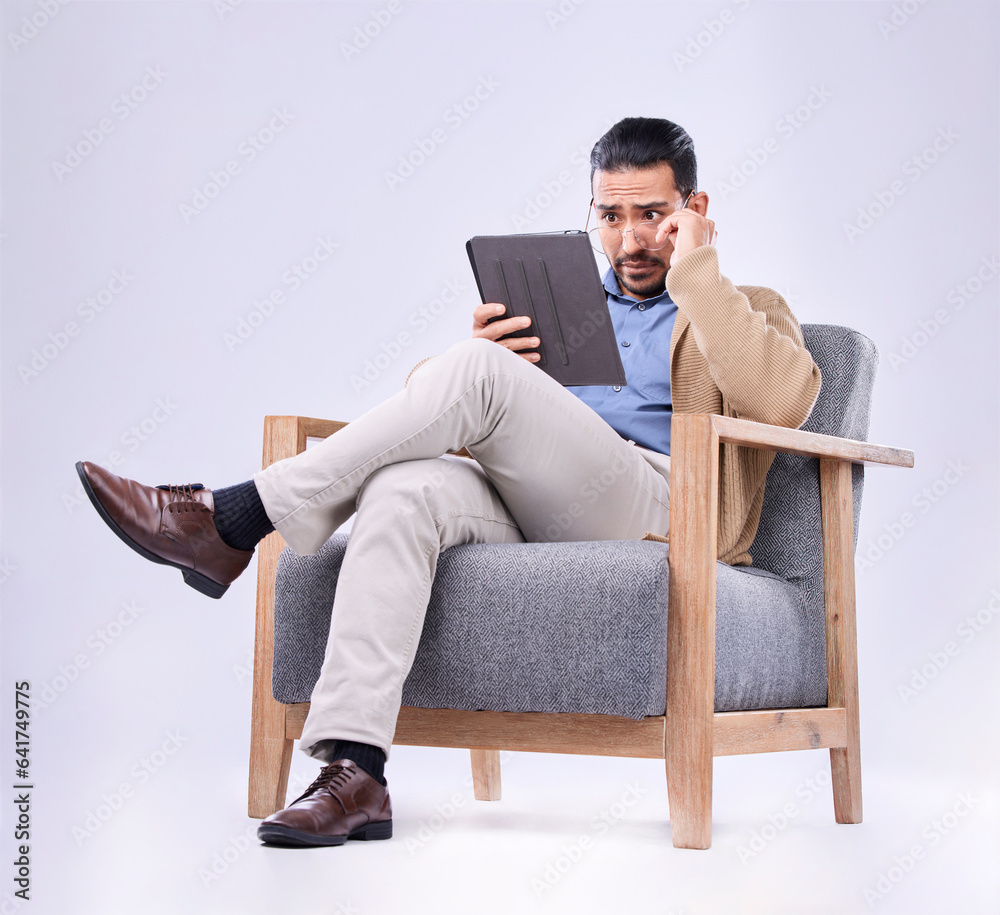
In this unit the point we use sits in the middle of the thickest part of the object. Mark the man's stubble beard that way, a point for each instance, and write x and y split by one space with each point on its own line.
648 289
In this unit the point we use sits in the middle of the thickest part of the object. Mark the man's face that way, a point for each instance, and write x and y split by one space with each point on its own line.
623 200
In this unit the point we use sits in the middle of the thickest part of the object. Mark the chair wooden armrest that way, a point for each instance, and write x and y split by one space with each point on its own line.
694 732
808 444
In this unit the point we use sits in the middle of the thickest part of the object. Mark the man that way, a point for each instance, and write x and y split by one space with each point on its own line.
691 342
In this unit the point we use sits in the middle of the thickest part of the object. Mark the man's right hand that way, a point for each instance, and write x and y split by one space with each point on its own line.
494 330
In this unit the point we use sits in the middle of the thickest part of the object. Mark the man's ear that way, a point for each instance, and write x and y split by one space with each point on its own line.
699 203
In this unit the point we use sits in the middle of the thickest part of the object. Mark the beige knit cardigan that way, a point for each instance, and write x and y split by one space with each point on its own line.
735 351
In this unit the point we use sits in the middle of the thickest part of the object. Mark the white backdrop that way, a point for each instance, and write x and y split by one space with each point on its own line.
217 210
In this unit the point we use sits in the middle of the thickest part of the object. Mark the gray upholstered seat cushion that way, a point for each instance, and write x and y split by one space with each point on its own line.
581 627
562 627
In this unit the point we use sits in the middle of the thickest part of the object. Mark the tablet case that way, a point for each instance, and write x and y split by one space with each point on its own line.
552 278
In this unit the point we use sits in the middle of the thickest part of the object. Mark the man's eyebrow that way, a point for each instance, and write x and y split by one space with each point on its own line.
656 205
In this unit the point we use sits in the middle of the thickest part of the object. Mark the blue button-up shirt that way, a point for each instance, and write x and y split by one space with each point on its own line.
639 411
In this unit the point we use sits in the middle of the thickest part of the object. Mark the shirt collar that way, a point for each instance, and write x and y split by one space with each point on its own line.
615 293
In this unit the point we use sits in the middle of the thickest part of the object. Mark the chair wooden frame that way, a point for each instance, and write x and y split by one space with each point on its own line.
691 733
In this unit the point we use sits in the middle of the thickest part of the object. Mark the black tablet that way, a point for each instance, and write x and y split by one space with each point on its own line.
552 278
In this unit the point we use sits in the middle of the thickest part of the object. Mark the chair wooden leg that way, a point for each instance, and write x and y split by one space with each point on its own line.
270 749
845 770
691 629
486 774
841 634
689 793
270 761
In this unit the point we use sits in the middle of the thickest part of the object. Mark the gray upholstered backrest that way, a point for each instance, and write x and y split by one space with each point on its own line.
788 542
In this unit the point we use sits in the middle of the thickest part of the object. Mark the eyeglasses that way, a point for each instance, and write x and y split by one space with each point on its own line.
604 240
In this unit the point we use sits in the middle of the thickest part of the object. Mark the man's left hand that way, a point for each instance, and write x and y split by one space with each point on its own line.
686 230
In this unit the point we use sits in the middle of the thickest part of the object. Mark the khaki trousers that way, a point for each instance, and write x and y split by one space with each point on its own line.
547 468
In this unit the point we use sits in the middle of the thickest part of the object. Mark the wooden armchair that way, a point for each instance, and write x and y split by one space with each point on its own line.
692 731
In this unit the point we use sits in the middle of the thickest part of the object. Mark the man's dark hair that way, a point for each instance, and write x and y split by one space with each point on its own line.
635 143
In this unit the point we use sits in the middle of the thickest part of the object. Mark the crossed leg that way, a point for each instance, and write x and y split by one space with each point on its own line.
548 468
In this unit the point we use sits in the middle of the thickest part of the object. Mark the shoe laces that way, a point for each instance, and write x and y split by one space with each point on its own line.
185 493
332 776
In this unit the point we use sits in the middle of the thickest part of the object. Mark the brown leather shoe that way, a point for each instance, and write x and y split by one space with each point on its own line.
172 525
345 802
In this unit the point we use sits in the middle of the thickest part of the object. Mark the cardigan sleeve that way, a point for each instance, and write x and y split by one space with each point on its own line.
754 349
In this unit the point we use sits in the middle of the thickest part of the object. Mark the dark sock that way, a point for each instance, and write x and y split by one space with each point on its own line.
365 756
240 517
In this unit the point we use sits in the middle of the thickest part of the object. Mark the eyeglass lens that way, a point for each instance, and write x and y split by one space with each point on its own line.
610 239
